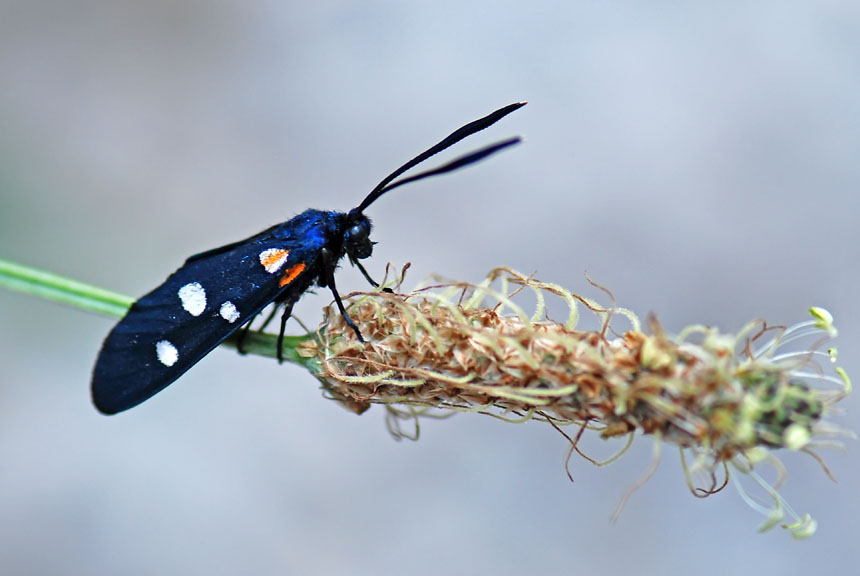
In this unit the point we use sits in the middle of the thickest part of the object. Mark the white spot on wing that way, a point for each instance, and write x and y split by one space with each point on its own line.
167 352
193 298
229 312
273 258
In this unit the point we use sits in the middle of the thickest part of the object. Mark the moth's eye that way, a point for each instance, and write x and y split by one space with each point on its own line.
356 232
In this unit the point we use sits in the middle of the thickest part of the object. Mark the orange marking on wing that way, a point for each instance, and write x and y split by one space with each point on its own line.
273 258
291 273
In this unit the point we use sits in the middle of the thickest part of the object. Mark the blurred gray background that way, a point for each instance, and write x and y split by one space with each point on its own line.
700 161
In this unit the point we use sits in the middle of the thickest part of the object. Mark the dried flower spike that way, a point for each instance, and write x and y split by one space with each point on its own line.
728 400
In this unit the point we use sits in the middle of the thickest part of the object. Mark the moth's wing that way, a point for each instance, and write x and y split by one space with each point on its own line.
170 329
278 229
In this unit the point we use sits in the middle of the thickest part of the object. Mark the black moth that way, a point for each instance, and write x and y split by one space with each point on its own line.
216 292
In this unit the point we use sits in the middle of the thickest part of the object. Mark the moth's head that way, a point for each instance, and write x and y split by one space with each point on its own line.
356 236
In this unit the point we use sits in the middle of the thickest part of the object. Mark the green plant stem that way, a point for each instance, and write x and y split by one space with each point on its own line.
91 298
61 289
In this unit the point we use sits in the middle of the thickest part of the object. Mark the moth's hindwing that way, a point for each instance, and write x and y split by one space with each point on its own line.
195 309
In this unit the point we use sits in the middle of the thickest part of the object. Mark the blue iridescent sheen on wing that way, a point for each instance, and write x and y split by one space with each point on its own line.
128 369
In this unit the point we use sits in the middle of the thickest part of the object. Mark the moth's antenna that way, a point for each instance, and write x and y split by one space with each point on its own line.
453 138
456 163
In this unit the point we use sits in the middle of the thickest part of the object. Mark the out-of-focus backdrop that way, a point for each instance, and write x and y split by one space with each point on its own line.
700 161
